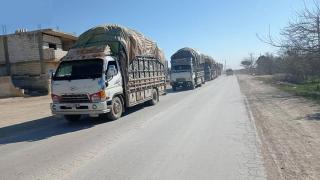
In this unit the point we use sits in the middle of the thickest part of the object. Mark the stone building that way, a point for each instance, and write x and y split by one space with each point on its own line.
28 57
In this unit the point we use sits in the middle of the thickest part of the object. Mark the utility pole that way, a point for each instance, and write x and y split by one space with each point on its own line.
318 32
4 29
225 64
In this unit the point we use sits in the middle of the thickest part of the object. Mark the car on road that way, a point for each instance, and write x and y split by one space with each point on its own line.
229 72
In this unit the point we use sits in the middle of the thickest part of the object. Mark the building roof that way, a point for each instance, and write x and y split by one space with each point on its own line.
59 34
48 31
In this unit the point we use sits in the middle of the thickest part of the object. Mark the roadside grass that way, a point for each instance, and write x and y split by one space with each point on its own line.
308 89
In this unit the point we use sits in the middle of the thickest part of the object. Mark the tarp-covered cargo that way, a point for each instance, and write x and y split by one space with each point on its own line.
208 59
187 68
134 43
188 53
209 67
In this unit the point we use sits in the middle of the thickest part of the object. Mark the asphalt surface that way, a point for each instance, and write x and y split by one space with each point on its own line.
206 133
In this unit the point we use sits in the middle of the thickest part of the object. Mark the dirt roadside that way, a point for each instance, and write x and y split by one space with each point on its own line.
19 110
289 129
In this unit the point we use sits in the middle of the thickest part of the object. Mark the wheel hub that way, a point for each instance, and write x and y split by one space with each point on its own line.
116 107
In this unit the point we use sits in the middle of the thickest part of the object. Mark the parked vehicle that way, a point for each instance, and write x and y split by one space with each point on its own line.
109 69
229 72
187 69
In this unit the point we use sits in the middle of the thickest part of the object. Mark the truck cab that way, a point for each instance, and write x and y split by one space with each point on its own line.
87 86
182 74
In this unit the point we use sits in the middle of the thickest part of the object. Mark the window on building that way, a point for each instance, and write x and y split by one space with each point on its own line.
53 46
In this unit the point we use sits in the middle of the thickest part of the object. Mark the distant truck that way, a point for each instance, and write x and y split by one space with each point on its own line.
229 72
187 69
108 69
219 68
210 71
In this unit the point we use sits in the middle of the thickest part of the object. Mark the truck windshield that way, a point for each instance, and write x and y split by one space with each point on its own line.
79 69
181 68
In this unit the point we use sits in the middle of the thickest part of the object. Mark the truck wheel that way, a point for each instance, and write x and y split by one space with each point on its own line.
72 118
203 81
192 86
155 97
116 109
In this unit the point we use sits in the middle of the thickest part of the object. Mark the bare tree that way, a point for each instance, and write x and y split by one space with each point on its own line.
300 44
301 35
248 63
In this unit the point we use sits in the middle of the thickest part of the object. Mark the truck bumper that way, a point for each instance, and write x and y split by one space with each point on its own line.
181 83
92 109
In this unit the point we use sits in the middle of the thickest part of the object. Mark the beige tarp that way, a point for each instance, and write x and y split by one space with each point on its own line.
134 43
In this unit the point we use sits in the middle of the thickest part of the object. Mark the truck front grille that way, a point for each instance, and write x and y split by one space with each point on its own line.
181 79
75 98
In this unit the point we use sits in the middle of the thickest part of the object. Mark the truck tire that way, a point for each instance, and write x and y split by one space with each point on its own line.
200 83
192 86
116 109
155 98
72 118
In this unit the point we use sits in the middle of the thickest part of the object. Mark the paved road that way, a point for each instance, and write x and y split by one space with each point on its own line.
201 134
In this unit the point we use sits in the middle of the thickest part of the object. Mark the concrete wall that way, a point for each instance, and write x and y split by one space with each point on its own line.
51 39
23 47
26 68
3 70
52 65
39 83
7 89
50 54
67 45
32 83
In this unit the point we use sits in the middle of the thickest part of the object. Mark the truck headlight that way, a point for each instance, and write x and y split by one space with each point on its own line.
55 98
99 96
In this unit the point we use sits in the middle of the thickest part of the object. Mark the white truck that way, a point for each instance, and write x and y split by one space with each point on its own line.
187 69
109 69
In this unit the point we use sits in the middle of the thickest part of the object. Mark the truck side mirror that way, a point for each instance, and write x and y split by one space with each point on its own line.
51 73
112 71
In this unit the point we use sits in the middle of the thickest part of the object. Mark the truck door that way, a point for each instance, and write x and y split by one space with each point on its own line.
113 76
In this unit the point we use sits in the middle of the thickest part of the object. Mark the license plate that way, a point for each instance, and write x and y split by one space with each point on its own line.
72 105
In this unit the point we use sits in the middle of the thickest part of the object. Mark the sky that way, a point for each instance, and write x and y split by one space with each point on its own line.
226 30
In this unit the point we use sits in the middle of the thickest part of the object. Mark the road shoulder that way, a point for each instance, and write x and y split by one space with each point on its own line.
288 127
